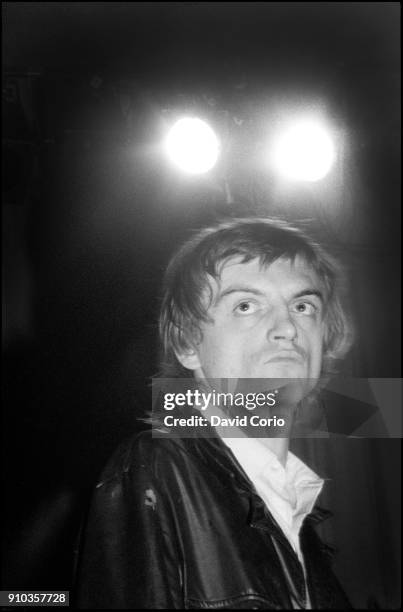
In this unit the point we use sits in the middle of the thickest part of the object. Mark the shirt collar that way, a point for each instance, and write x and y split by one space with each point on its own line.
294 488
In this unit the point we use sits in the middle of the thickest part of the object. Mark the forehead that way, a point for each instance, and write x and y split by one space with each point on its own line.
282 274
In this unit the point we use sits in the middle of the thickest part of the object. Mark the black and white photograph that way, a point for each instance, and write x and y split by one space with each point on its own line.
201 311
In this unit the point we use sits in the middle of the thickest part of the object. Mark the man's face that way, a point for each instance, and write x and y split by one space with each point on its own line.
267 322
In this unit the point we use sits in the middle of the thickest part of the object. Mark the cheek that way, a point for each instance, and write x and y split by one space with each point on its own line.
316 348
224 351
213 348
312 337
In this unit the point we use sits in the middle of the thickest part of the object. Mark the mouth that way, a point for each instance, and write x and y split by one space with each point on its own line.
285 356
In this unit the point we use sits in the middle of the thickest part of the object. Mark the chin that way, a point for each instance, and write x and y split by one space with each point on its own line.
286 371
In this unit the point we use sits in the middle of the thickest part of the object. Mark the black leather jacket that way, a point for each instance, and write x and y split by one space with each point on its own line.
175 523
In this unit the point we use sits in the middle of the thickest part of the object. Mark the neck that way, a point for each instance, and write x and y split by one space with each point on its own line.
278 446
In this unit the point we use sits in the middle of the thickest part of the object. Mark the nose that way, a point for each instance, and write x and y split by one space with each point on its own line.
281 327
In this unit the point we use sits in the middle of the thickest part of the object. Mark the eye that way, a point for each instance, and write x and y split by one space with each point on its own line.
245 308
305 308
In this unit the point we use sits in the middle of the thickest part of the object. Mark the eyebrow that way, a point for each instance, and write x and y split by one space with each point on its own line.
253 291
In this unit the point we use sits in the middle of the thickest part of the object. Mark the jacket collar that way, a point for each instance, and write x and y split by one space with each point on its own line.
210 449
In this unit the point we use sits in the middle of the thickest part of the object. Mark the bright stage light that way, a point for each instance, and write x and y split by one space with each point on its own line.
192 145
304 152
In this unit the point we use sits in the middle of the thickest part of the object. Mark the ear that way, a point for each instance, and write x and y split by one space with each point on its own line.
189 358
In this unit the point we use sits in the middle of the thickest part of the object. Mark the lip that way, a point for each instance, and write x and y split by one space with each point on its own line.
285 356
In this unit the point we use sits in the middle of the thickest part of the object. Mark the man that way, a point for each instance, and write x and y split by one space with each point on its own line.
209 521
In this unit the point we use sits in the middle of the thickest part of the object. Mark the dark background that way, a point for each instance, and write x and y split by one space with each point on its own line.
91 213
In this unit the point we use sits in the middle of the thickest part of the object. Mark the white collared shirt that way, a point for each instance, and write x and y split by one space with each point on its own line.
289 492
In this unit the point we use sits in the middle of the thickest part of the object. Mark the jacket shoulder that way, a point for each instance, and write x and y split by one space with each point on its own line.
140 451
